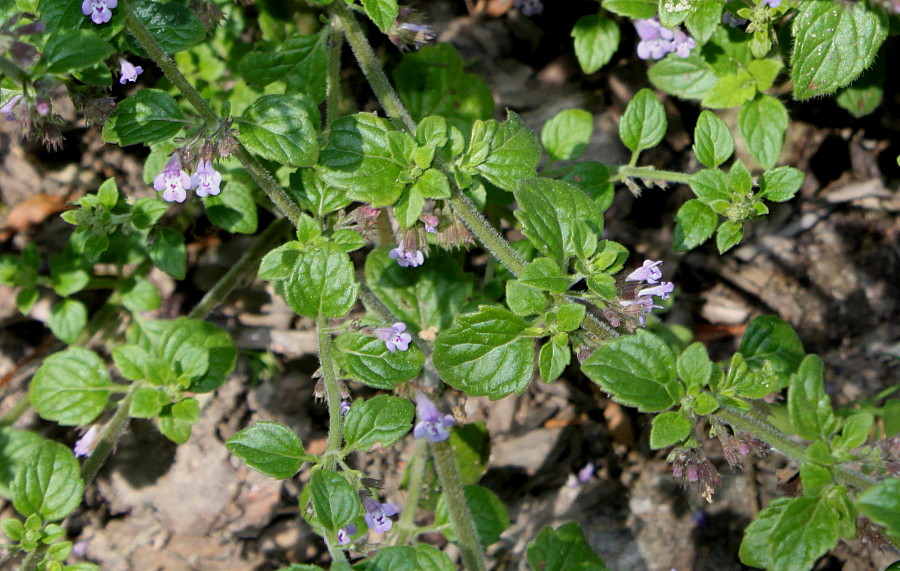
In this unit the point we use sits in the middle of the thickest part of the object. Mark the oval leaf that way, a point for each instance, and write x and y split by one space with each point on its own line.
71 387
270 448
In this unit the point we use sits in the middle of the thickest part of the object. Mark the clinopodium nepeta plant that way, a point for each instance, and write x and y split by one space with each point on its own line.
404 190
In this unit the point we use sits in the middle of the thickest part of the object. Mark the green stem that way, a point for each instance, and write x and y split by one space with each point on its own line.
624 172
457 507
245 265
332 394
418 462
489 237
333 79
783 444
372 69
108 436
259 174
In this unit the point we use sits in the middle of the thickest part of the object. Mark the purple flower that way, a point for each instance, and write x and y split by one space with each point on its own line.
343 534
86 444
7 109
394 337
432 424
657 40
662 290
682 44
648 272
128 72
585 473
640 307
378 515
430 221
206 179
772 3
732 20
173 181
529 7
345 408
98 10
407 258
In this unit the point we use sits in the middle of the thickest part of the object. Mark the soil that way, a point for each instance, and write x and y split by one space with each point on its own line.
827 262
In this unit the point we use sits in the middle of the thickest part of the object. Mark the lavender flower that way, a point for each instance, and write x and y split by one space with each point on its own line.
648 272
430 221
772 3
585 473
732 20
345 408
407 258
394 337
343 534
378 515
7 109
529 7
98 10
657 41
682 44
86 444
639 307
409 30
206 179
128 72
662 290
432 424
173 181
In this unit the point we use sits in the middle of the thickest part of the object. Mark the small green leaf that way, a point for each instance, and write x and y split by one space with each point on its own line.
764 72
780 184
300 62
168 253
382 12
147 403
74 50
270 448
768 338
563 549
644 123
279 128
695 367
176 420
514 153
567 134
596 40
713 142
881 504
865 94
704 20
763 123
173 26
150 116
486 353
690 78
184 341
695 222
729 235
525 300
322 282
333 498
669 428
139 294
71 387
67 319
381 420
366 359
636 9
637 370
233 209
570 316
730 91
710 185
488 513
16 447
471 445
554 357
278 263
855 431
146 212
68 274
809 406
815 478
315 195
49 484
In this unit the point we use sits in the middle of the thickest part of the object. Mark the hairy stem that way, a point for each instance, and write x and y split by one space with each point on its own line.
333 79
457 507
332 394
418 462
624 172
109 434
782 443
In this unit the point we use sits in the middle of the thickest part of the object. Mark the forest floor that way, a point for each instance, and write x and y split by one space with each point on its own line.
828 262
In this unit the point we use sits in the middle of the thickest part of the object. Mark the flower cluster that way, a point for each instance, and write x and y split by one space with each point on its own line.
636 300
657 41
395 337
174 182
35 116
692 467
432 424
407 258
99 10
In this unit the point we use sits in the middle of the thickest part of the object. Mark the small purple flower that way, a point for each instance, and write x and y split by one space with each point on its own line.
732 20
682 44
772 3
662 290
86 444
98 10
173 181
378 515
657 41
585 473
343 534
394 337
345 408
430 221
128 72
407 258
432 424
10 105
648 272
529 7
640 307
206 179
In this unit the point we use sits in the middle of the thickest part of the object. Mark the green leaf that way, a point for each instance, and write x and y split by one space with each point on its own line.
525 300
430 558
184 340
865 94
322 282
146 212
729 234
233 210
60 15
636 9
690 78
71 387
544 274
563 549
270 448
486 353
643 125
68 274
815 478
567 134
432 184
139 294
366 359
334 499
637 370
49 484
394 558
592 178
704 20
855 431
513 156
713 143
176 420
488 513
833 44
881 504
695 222
762 123
278 263
570 316
300 62
67 319
596 40
173 26
168 253
380 420
554 357
279 128
147 403
673 12
358 160
74 50
471 445
315 195
695 367
150 116
780 184
433 82
768 338
16 447
730 91
669 428
710 185
764 72
809 406
382 12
